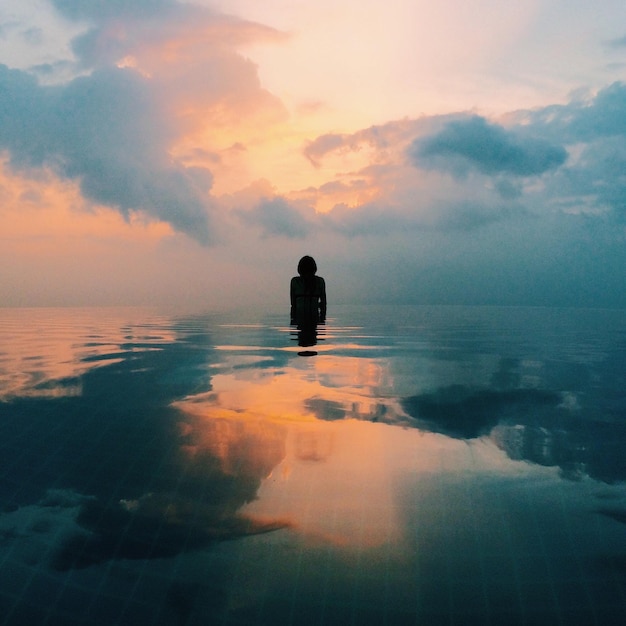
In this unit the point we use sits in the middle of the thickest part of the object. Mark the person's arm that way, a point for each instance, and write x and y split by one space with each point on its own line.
322 299
292 298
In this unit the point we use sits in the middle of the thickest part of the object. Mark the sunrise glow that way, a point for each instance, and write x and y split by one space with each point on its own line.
420 145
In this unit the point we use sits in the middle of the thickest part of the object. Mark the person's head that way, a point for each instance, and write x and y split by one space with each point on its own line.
307 266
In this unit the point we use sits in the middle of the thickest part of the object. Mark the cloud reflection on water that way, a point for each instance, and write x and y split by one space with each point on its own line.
421 443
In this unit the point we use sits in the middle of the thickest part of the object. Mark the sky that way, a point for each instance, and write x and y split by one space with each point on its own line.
160 152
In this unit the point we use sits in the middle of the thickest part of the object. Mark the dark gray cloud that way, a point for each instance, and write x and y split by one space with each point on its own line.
276 216
103 9
474 143
106 132
604 116
594 180
549 259
585 119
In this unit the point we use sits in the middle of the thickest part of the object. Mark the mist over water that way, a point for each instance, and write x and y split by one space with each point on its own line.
399 465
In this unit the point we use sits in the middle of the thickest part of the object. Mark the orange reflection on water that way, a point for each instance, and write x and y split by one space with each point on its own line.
242 445
306 431
334 484
328 443
44 351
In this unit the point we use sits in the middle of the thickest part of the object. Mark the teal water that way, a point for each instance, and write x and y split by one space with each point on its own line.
399 465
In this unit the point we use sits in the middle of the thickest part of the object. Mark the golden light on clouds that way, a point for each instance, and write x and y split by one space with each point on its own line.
255 130
38 212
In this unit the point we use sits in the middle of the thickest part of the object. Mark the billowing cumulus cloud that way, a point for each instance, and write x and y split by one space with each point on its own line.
533 212
119 127
561 158
531 219
105 131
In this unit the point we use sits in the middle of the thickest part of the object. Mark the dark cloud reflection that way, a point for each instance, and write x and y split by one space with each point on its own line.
535 425
155 526
465 413
150 481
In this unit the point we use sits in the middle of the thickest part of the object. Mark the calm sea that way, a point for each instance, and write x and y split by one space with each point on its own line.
396 465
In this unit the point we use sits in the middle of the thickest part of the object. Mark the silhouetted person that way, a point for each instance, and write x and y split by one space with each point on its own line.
308 294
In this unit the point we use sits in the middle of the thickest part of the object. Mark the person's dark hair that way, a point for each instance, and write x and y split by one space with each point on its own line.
307 266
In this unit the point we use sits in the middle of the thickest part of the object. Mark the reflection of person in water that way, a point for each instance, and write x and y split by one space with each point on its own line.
308 294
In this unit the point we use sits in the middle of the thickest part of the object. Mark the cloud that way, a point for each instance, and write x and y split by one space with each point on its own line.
158 35
619 42
276 217
162 101
371 220
586 118
595 182
474 143
322 145
375 220
152 79
103 9
536 217
604 116
555 159
379 137
593 179
105 131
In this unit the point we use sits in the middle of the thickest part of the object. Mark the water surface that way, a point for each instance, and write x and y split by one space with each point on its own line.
400 465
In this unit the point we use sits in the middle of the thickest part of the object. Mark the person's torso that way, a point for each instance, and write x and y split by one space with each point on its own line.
307 288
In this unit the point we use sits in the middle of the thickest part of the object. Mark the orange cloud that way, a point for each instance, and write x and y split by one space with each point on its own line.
43 215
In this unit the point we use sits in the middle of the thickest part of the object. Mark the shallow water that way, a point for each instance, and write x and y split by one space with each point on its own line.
402 465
